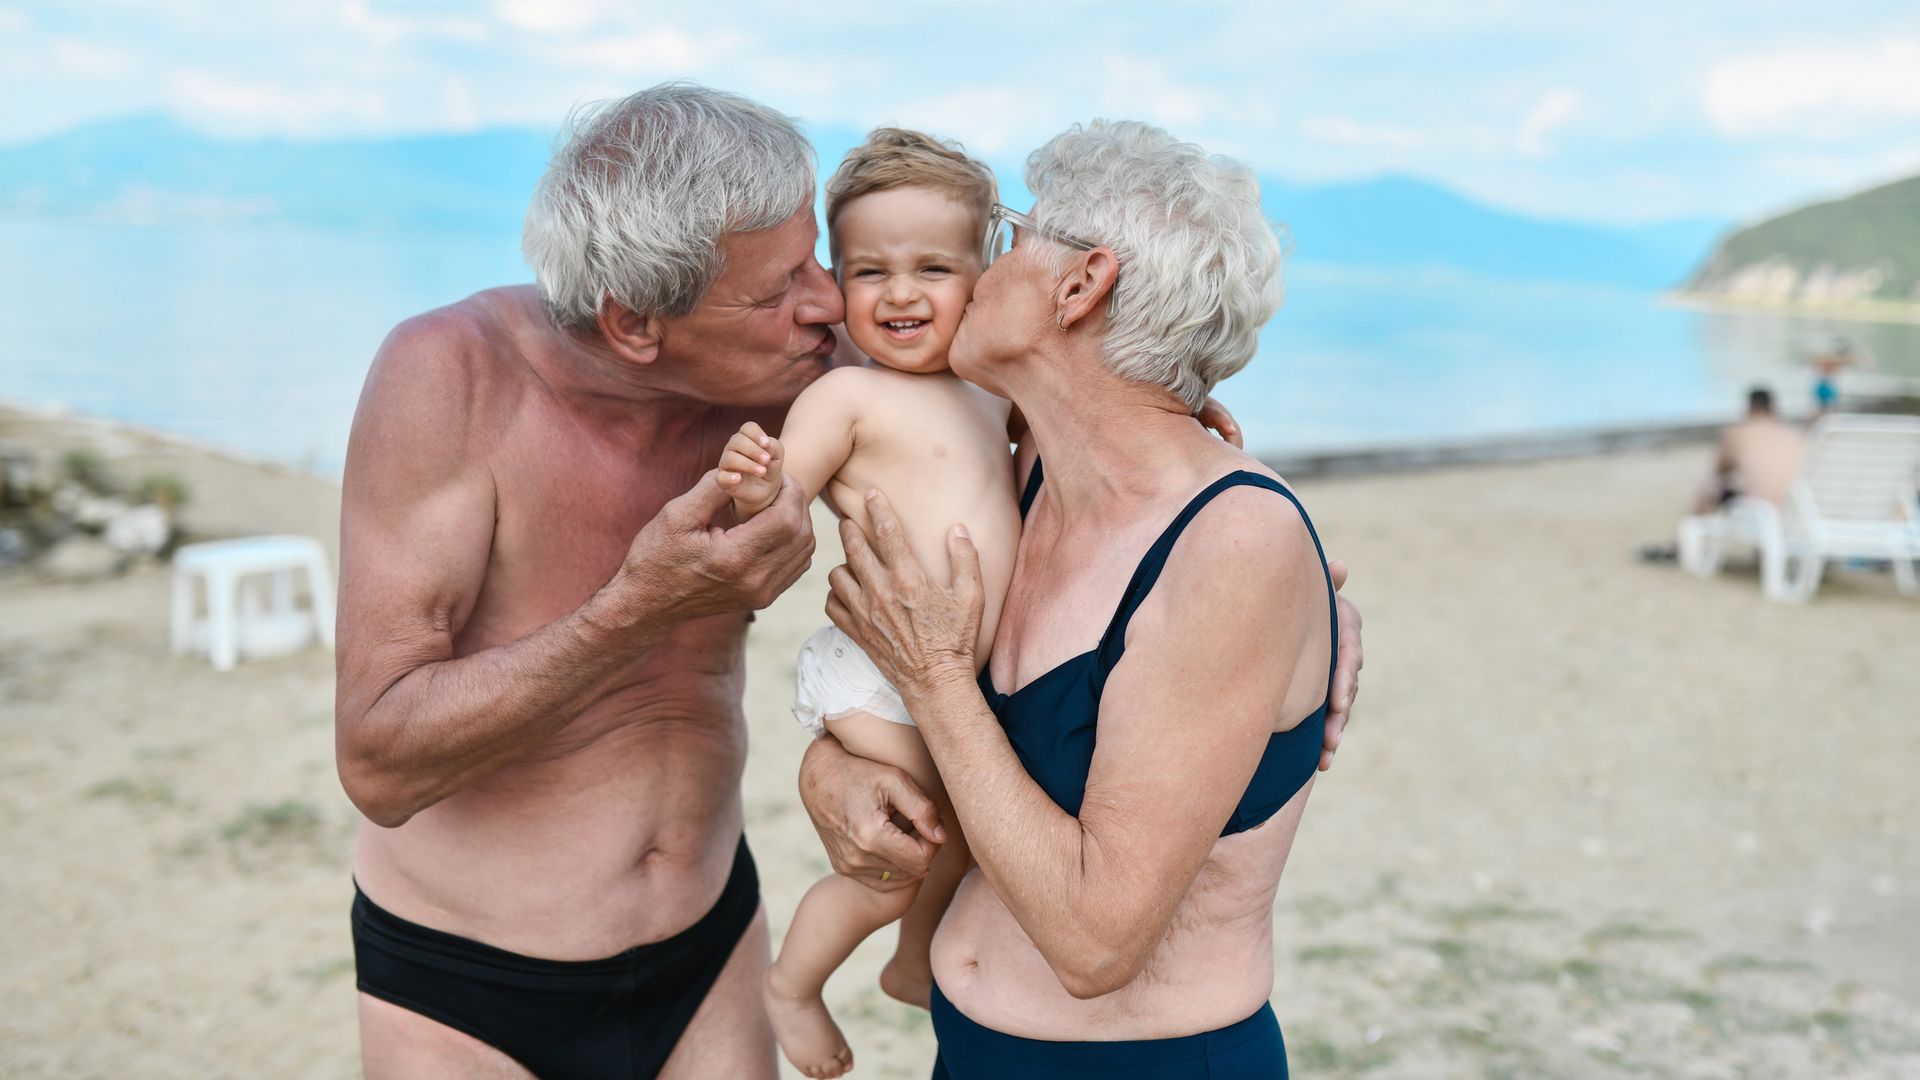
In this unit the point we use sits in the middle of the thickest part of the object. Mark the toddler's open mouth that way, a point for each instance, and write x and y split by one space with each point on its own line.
905 329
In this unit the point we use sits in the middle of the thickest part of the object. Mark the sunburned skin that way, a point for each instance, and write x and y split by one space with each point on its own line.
482 426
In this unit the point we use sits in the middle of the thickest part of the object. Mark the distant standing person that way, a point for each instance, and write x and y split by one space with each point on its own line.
1828 365
1759 457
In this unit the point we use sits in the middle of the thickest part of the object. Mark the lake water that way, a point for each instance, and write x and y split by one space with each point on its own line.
256 338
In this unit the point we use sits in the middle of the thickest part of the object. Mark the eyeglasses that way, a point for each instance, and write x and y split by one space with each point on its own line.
1001 221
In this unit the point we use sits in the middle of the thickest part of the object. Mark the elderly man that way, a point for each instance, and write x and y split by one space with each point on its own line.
542 617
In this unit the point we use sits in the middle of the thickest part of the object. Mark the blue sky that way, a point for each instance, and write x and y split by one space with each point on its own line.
1621 112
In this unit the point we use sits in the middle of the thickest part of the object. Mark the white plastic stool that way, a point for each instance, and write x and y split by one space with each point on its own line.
237 620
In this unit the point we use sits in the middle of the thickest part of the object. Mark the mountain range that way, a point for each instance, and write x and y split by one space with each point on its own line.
1860 250
152 170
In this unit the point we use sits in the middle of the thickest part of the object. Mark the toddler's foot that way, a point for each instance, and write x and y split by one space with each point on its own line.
908 982
805 1029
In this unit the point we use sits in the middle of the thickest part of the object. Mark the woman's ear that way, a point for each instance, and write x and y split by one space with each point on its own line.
1087 287
635 337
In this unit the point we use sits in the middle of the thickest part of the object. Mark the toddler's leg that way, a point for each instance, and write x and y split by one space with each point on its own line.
836 915
908 976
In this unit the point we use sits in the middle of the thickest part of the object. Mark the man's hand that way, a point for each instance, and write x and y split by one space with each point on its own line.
750 469
1215 417
859 807
683 566
1346 673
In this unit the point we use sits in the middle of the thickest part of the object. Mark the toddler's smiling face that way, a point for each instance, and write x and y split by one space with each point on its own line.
906 259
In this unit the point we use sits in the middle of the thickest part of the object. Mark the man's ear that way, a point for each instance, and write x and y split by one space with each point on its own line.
1085 289
635 337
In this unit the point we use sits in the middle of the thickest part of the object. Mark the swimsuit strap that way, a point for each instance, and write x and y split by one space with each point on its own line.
1114 642
1033 490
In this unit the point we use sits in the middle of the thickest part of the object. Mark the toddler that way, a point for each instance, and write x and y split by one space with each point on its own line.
906 220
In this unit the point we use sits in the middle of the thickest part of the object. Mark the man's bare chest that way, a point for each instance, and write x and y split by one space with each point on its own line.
566 515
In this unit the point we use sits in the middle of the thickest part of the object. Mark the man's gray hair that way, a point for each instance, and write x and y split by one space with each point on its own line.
635 201
1199 264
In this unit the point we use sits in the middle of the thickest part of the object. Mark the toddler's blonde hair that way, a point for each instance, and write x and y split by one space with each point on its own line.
896 158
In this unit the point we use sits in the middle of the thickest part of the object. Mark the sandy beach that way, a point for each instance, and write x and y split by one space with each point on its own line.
1595 818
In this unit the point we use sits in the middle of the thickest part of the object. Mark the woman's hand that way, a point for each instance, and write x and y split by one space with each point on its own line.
918 634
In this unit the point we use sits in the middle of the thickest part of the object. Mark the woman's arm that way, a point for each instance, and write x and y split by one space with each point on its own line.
1183 723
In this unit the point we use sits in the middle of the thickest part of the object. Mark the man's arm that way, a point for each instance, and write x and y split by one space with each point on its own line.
413 724
859 807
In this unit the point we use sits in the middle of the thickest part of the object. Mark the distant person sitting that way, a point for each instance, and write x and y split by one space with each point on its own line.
1759 457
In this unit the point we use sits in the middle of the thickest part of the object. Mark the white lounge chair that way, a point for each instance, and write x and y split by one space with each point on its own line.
1854 499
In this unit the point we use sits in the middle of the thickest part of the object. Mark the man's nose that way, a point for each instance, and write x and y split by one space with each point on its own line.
820 301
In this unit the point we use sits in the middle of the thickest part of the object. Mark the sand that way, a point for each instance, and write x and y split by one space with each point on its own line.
1595 818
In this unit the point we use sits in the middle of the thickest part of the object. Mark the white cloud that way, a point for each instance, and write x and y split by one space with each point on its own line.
461 110
550 16
987 119
387 30
1548 115
13 21
250 107
1345 131
661 51
1140 89
87 59
1816 90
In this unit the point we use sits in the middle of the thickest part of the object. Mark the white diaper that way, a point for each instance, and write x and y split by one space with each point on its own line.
835 678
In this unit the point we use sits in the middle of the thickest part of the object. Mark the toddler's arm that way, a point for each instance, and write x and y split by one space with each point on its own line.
750 470
814 443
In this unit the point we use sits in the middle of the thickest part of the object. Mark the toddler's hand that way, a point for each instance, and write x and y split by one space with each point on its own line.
750 470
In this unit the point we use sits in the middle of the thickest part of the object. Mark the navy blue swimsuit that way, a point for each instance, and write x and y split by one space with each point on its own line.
1051 721
1052 724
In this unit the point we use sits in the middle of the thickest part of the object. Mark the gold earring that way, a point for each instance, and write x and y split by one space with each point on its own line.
1061 319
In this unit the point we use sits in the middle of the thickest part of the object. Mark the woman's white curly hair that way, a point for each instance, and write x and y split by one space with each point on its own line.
1199 263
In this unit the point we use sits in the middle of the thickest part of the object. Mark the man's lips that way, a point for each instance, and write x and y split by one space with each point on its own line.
827 344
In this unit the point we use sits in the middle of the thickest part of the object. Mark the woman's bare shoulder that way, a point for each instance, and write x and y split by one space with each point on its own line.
1265 537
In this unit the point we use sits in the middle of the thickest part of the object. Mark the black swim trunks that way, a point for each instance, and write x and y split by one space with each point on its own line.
616 1017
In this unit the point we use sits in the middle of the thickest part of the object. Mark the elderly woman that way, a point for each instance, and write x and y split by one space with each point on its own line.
1133 762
